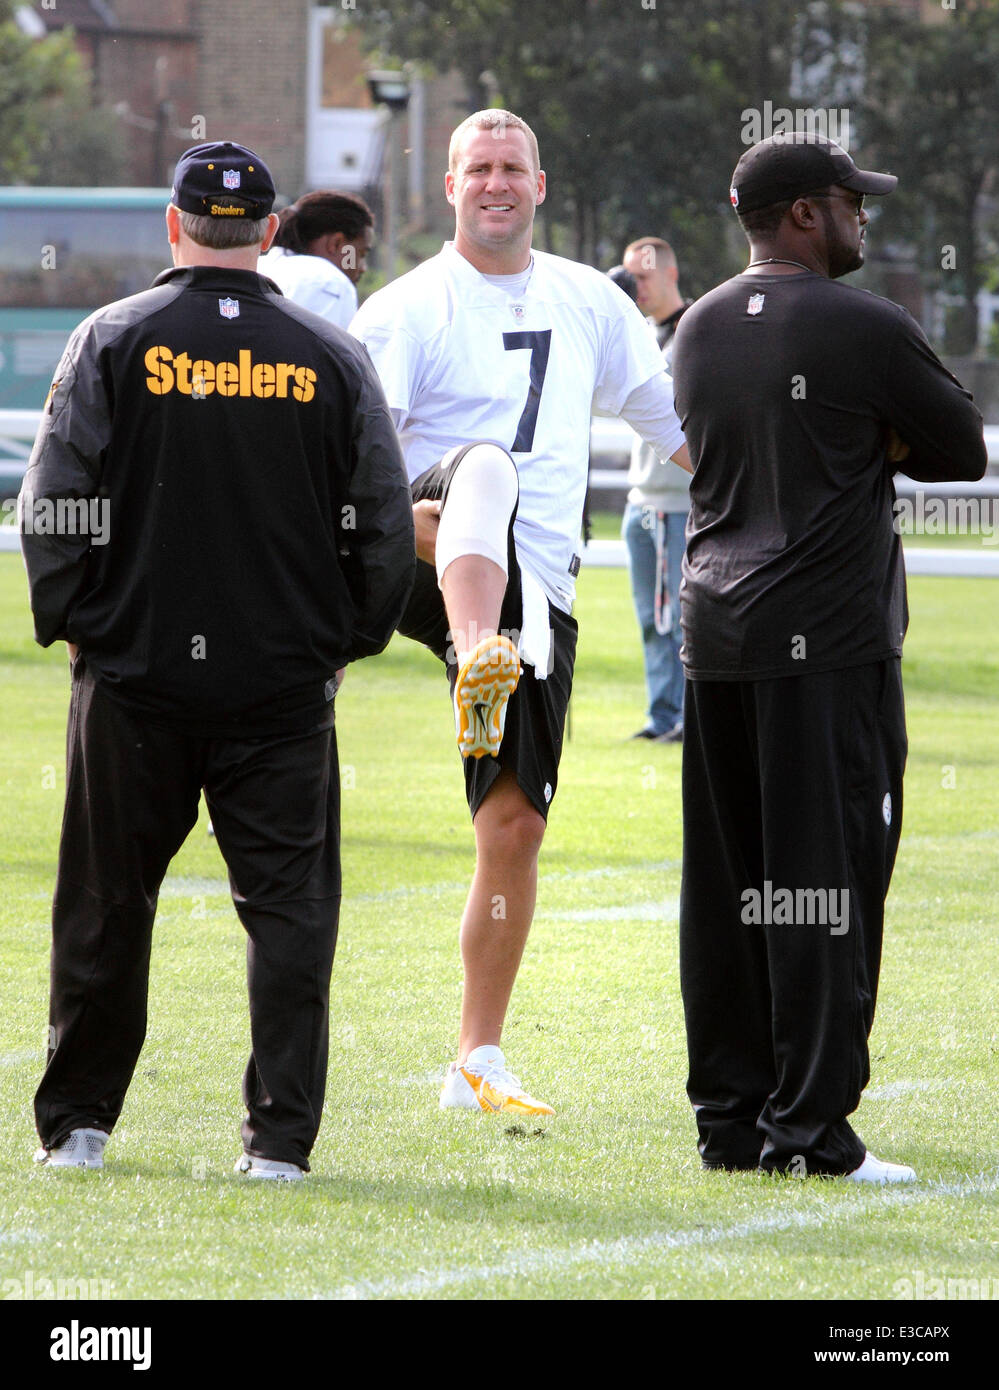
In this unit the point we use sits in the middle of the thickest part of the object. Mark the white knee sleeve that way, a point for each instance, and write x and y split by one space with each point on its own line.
480 503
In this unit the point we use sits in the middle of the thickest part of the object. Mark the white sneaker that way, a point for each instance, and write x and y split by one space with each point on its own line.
270 1169
82 1148
482 1082
876 1170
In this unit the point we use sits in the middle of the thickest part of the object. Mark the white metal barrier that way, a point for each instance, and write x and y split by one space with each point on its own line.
612 439
919 559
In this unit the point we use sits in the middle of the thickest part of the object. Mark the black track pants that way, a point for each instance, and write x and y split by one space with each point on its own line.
132 792
792 799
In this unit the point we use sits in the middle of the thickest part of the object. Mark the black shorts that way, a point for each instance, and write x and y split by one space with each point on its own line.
535 716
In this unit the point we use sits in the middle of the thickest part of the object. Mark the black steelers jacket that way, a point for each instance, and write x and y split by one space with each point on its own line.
216 509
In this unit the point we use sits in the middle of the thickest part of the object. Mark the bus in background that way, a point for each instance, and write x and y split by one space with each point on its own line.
63 253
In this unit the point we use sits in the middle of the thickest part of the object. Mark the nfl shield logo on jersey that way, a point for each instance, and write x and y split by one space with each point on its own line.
229 308
230 178
755 305
519 312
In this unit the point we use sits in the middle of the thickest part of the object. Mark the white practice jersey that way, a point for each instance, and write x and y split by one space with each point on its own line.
313 282
460 359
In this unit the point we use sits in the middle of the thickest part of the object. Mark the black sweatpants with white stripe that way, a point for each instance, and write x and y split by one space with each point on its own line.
792 790
132 792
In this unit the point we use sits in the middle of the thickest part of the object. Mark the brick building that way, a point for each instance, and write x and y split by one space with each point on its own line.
183 70
289 83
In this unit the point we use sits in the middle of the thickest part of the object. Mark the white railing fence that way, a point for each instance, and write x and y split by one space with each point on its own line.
611 440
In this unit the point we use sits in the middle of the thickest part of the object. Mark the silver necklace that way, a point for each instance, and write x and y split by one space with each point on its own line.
777 260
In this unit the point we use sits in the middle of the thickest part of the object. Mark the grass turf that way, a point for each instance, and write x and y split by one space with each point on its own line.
606 1200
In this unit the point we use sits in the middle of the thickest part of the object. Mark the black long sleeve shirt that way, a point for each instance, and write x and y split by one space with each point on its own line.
786 386
254 524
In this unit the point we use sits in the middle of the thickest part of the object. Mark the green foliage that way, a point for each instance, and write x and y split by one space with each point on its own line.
33 73
84 145
49 131
639 112
930 104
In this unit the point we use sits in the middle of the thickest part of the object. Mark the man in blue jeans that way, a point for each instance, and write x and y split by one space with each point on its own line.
656 515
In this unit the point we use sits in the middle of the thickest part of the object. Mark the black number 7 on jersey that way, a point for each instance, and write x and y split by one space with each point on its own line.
539 343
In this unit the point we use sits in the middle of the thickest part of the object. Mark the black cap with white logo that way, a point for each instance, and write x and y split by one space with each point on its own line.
792 165
222 180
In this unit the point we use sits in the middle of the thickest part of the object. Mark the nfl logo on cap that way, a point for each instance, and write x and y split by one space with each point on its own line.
230 178
229 308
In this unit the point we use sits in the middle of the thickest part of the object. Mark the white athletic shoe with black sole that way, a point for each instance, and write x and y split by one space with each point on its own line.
878 1171
82 1148
268 1169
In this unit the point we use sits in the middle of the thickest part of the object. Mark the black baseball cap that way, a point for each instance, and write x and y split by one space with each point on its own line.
790 165
223 180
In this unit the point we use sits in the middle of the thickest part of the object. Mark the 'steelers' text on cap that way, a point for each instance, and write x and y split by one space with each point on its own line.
223 180
790 165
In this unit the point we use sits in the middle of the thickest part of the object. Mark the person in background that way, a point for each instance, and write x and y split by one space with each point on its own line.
320 253
656 514
624 281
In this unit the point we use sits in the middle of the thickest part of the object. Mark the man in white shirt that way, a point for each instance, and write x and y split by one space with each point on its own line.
491 358
656 514
320 253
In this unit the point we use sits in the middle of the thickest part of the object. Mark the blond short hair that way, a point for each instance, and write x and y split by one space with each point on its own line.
656 253
493 119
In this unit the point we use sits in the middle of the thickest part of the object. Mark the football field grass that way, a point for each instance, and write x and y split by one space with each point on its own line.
605 1200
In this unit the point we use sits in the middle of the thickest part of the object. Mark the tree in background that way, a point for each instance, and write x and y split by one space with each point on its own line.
640 112
937 112
50 132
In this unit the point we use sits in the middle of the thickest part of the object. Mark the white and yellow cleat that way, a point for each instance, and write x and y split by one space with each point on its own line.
482 1082
486 679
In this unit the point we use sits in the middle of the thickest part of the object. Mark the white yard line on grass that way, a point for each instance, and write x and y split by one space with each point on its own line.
632 1250
25 1054
891 1090
28 1236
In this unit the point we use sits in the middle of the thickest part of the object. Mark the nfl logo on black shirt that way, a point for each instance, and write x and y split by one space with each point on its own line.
229 308
755 305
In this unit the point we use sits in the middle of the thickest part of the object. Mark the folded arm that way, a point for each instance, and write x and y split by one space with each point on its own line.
935 431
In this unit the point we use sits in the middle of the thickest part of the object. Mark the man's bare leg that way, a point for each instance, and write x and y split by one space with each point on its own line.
499 909
508 830
473 589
